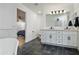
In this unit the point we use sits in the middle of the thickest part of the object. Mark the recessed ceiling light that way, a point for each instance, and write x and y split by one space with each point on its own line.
39 12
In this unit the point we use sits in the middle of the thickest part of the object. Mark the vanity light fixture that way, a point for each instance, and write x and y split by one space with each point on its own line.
58 12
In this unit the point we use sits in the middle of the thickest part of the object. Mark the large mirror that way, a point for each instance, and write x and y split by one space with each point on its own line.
58 20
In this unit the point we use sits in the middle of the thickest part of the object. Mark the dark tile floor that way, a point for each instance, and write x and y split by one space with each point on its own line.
36 48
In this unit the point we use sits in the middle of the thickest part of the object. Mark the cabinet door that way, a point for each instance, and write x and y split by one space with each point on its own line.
52 37
7 16
48 36
43 36
65 40
70 38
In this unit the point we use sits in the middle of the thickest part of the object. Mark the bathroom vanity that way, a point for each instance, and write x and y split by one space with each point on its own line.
64 38
57 31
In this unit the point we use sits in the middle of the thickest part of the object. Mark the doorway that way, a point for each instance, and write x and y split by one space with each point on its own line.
20 27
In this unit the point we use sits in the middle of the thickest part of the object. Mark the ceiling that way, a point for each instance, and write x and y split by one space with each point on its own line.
47 7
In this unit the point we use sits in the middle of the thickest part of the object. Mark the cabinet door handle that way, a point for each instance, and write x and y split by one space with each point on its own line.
50 36
69 38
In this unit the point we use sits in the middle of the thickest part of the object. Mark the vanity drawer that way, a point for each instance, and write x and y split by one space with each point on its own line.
59 41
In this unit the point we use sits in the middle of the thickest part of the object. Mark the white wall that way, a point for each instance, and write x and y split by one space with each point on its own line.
32 23
8 46
76 8
42 19
8 29
8 16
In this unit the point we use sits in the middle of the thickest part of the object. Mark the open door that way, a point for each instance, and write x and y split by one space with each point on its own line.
20 19
20 27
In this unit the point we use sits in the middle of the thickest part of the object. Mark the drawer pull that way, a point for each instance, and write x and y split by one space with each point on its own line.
50 36
69 38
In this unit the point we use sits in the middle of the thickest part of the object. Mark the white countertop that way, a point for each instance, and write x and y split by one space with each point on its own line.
61 29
